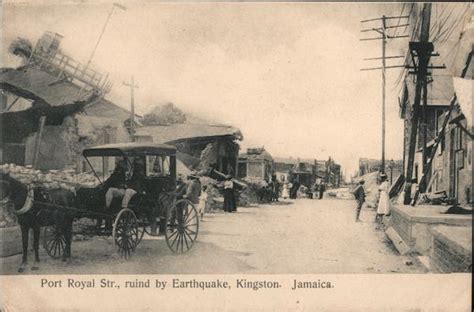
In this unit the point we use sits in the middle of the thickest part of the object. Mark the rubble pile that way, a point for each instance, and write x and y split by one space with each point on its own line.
250 195
371 188
214 197
53 179
341 193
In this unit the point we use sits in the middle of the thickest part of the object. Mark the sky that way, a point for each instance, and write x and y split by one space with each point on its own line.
286 74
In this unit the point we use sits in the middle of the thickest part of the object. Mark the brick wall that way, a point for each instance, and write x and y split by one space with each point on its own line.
447 255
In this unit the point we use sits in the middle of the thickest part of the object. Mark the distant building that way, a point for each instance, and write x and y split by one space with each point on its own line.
255 163
393 168
308 171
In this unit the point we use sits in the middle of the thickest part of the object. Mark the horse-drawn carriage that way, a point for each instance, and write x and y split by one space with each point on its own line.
155 203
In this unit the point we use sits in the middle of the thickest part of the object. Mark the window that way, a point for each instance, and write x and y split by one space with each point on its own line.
158 166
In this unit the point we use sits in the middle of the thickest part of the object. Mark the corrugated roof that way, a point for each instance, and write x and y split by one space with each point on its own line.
176 132
36 83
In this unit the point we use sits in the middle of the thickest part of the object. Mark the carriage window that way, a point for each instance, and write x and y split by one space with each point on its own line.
158 166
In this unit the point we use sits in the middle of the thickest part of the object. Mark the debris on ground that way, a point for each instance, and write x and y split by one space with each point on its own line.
66 179
371 187
340 193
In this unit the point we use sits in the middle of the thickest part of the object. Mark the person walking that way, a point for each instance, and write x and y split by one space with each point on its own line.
383 207
359 194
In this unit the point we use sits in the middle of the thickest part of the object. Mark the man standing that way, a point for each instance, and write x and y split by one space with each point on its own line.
193 189
322 189
359 194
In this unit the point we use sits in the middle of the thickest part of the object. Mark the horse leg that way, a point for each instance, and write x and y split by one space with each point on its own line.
67 230
24 237
36 238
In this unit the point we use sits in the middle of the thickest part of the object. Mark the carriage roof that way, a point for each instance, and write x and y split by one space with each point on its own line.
129 149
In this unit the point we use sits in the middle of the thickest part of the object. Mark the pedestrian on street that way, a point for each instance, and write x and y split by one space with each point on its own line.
322 189
285 193
315 190
294 189
359 194
202 202
383 207
229 197
276 191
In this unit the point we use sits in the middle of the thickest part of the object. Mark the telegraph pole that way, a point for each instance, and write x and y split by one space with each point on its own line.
132 86
114 5
422 50
384 36
384 42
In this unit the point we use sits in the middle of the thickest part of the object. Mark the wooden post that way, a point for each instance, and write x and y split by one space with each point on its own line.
421 76
384 42
39 133
132 86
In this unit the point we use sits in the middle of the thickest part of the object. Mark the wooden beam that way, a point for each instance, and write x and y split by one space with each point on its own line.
39 133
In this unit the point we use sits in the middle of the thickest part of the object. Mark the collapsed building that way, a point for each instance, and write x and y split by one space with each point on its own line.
256 163
200 146
53 107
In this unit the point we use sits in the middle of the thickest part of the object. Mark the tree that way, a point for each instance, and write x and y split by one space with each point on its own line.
162 115
22 48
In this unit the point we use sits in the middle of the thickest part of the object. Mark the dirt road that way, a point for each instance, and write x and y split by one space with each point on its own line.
302 236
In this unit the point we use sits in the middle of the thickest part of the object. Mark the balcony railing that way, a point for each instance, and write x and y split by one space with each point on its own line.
64 66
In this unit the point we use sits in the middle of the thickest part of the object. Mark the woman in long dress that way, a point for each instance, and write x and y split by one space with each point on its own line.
285 193
229 197
383 207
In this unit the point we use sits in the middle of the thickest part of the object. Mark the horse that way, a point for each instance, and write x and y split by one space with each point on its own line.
34 208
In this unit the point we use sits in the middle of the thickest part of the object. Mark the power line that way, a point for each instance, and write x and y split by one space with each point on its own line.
383 31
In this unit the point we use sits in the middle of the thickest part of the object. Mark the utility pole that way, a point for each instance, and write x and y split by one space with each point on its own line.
132 86
114 5
384 43
384 36
423 50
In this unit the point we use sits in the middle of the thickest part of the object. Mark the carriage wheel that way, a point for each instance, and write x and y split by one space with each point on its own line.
182 226
54 242
126 232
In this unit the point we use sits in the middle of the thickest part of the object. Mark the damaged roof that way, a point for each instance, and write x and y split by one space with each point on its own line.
37 85
177 132
256 154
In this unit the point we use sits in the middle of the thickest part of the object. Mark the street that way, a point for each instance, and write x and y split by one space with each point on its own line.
301 236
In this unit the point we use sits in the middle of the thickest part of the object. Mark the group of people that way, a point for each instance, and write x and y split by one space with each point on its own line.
290 190
383 207
127 180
